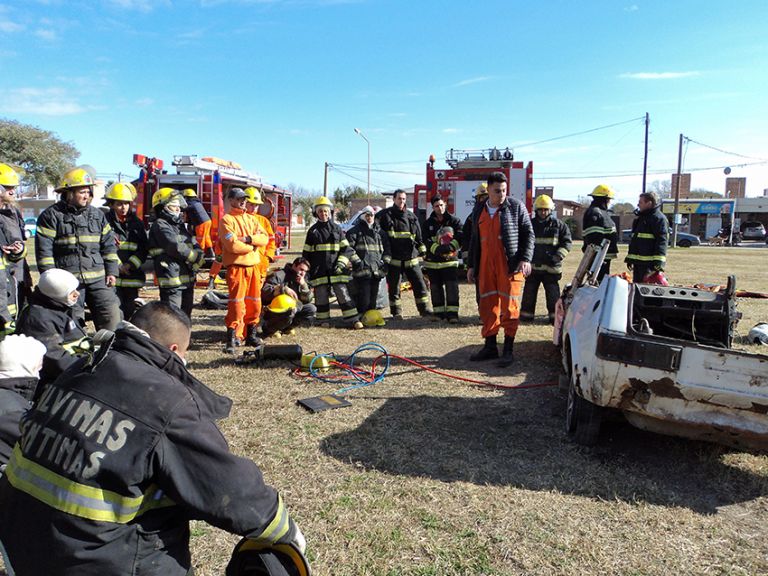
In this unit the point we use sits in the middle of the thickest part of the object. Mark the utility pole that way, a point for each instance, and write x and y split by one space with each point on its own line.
675 218
325 181
645 154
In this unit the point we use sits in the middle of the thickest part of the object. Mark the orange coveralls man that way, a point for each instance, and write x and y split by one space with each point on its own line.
253 201
241 237
500 256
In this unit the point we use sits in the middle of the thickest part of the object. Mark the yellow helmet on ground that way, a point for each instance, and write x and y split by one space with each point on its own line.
281 303
373 318
602 191
189 193
481 190
543 202
166 195
75 178
8 176
322 201
253 195
121 191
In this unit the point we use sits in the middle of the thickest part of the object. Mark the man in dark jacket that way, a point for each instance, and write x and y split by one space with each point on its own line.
597 225
443 235
290 280
120 453
75 236
553 242
499 259
368 241
405 250
650 232
199 221
13 246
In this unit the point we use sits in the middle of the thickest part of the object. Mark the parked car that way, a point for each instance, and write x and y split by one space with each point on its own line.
30 226
752 231
684 240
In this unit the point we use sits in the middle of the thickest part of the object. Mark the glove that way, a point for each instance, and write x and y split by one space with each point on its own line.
443 251
339 270
556 259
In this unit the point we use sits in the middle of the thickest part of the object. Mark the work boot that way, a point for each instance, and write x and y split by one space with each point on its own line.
507 355
251 338
488 352
232 341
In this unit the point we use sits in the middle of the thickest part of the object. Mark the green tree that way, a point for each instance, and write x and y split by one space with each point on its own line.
342 198
42 155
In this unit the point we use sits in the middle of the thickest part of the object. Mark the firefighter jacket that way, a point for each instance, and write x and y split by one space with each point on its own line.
12 224
329 254
78 240
270 249
132 248
552 244
598 225
196 213
404 233
516 234
369 243
15 399
441 255
6 315
177 255
285 277
115 459
237 224
57 326
649 239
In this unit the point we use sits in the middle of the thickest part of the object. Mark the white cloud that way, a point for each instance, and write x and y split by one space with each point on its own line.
44 102
450 130
631 8
144 102
469 81
397 114
138 5
8 27
46 34
659 75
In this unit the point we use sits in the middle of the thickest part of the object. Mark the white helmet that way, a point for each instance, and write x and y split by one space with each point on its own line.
759 334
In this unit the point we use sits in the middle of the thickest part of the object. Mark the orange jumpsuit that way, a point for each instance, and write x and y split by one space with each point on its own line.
203 234
500 293
242 263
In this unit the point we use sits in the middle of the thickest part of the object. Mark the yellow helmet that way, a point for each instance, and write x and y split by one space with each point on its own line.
121 191
253 195
189 193
481 190
75 178
543 202
373 318
8 176
602 191
322 201
281 303
165 195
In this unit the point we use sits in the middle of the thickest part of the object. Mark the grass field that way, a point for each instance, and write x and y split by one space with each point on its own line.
427 475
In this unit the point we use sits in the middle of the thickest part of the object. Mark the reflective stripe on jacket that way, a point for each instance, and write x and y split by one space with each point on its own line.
404 233
650 233
553 242
132 248
175 252
329 254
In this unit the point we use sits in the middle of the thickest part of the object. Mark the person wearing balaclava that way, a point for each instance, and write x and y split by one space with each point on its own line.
21 358
368 242
177 255
51 317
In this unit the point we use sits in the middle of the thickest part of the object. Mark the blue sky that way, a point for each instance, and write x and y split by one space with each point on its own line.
279 85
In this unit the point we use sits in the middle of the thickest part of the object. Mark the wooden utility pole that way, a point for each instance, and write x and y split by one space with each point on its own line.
676 216
325 181
645 154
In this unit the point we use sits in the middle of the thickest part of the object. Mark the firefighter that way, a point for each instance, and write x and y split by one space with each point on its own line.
330 256
241 237
120 453
368 241
289 281
200 222
552 244
132 244
499 260
50 316
404 254
598 225
176 254
650 232
443 234
75 236
14 247
7 320
267 253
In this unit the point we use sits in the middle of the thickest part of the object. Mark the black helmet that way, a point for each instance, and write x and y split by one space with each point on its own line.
252 558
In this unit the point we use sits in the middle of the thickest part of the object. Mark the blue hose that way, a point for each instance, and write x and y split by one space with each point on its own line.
349 365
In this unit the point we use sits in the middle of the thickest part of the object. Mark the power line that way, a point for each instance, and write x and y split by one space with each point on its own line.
353 167
526 144
724 151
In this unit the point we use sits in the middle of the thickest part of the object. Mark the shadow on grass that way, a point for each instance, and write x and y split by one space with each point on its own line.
518 439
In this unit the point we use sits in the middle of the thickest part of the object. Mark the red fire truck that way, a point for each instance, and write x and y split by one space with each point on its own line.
212 178
468 169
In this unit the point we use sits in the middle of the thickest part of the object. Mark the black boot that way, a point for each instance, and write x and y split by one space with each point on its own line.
488 352
507 356
251 338
232 341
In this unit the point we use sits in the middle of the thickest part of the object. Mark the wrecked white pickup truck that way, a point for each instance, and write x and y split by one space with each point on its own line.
660 355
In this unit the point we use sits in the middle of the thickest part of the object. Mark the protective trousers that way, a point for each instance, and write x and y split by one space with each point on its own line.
323 302
203 235
244 304
183 297
366 293
444 289
127 297
102 302
416 278
551 283
640 271
500 293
